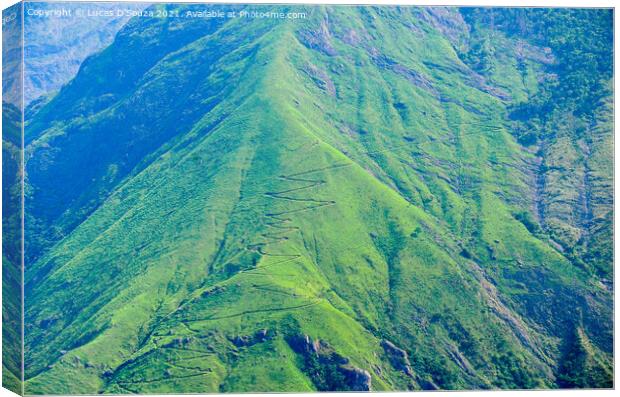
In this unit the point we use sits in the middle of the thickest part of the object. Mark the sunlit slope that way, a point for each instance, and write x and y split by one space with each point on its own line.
287 231
339 216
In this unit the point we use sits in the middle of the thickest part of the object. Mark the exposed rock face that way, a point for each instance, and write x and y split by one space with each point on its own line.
179 342
448 21
428 385
321 79
304 344
359 379
212 291
260 336
525 50
319 39
414 77
398 357
329 370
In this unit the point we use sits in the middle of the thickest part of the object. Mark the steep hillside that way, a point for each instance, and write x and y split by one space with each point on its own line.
336 202
11 200
566 119
11 248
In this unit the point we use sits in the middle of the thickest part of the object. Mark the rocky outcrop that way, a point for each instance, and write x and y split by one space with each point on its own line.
304 344
525 50
328 370
321 79
414 77
398 357
448 21
319 39
179 342
260 336
358 379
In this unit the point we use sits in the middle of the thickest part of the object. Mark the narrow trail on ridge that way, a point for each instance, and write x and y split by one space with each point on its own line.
281 222
280 228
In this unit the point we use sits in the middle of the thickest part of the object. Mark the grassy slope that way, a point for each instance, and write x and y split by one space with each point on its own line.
480 162
383 209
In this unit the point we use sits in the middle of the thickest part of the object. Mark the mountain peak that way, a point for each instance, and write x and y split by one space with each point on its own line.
347 200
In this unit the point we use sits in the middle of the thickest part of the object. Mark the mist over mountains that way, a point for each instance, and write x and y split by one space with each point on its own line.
56 46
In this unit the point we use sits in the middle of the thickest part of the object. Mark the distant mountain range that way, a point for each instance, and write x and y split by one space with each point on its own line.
54 47
359 198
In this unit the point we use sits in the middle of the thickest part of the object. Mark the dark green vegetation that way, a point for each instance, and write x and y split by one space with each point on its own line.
568 121
12 154
342 202
11 248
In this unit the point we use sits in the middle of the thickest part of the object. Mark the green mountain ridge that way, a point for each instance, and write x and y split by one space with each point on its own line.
335 203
